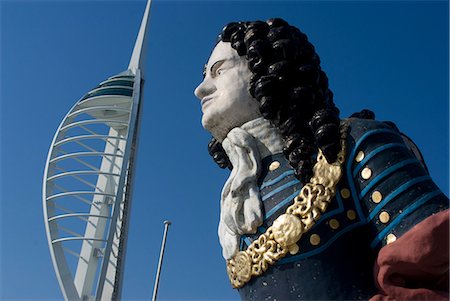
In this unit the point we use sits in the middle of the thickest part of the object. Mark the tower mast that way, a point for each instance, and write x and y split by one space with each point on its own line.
88 182
138 56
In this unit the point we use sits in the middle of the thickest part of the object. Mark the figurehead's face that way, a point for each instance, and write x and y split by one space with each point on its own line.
224 93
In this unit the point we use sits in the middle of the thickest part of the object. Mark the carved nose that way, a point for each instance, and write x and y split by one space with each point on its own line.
204 89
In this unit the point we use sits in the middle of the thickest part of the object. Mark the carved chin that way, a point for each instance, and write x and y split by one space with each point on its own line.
217 126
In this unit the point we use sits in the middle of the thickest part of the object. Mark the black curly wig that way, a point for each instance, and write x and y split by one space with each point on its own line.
291 89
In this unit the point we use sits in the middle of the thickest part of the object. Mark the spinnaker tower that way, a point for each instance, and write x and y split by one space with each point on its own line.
88 179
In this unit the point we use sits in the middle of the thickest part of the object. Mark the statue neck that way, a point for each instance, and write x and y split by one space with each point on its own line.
268 137
240 205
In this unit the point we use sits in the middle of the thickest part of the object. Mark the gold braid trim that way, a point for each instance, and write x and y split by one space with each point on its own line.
282 237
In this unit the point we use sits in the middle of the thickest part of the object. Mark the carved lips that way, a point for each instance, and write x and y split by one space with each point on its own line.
205 100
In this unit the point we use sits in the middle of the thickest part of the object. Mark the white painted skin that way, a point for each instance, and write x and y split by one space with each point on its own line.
232 116
226 105
224 93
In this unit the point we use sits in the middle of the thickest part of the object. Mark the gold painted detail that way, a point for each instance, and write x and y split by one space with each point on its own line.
334 224
366 173
391 238
351 215
360 156
345 193
377 196
384 217
274 165
282 237
314 239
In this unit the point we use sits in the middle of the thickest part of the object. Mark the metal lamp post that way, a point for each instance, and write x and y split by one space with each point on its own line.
161 256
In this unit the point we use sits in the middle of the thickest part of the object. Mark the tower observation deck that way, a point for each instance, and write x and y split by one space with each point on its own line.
87 183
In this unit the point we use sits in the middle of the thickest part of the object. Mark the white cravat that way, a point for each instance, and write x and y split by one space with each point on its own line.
240 210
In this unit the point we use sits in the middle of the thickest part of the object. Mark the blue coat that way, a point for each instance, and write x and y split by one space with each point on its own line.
385 190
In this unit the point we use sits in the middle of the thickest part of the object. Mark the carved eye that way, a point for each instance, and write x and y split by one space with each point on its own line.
216 68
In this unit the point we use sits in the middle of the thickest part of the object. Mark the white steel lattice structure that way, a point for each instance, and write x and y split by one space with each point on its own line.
87 183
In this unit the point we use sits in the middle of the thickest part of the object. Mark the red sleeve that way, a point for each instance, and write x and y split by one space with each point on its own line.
416 265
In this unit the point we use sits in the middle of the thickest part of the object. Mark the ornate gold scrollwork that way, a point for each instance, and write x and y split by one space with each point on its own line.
282 237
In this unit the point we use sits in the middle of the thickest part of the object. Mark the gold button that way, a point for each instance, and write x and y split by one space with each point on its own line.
314 239
366 173
345 193
360 156
376 196
384 217
351 214
391 238
274 165
334 224
293 249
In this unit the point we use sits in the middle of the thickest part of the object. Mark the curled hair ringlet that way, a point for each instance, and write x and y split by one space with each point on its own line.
265 85
291 89
255 31
237 42
322 136
310 75
308 52
218 154
284 71
324 116
303 170
285 49
364 114
290 125
368 114
259 55
276 22
269 108
300 145
227 31
278 33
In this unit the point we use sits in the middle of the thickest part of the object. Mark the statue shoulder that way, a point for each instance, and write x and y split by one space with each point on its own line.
358 127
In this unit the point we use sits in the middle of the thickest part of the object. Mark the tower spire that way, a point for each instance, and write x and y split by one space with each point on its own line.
95 183
137 60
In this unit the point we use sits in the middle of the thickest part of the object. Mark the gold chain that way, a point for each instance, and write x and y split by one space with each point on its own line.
282 237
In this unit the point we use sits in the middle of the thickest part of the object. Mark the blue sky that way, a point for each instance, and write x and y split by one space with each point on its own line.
391 57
